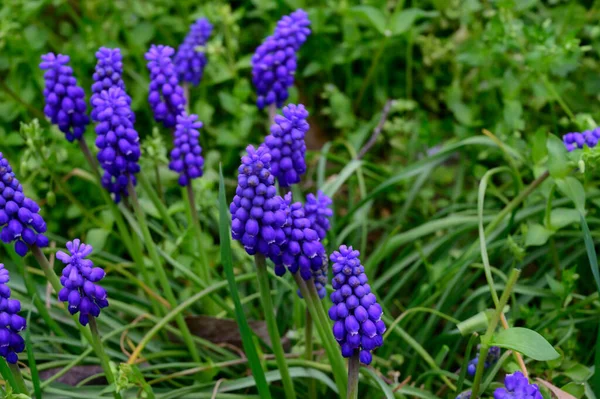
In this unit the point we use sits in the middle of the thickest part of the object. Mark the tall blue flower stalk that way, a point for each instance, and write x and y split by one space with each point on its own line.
11 324
190 60
186 156
287 146
65 100
165 95
117 141
275 61
108 73
19 217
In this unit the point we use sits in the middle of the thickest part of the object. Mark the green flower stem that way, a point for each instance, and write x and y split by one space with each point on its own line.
338 366
265 296
353 368
16 372
88 154
308 354
485 340
371 71
104 360
55 282
161 273
160 206
204 269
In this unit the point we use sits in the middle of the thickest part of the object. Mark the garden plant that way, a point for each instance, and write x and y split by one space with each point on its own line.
299 199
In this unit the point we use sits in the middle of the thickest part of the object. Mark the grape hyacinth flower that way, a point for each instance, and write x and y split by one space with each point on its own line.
189 62
18 214
578 140
491 358
108 73
11 323
79 278
257 212
274 62
117 141
517 386
65 100
165 95
302 251
186 156
318 211
357 315
286 144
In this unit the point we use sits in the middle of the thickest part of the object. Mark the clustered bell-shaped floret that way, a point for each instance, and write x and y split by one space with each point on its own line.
578 140
189 61
302 251
108 73
491 358
117 141
165 95
286 144
517 386
79 278
355 311
65 101
274 62
257 212
186 156
19 216
11 323
318 211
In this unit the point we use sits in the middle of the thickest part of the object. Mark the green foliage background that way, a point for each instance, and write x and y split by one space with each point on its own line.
523 70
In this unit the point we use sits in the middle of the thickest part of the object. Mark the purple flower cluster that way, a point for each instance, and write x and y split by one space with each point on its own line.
78 279
517 386
186 156
274 62
491 358
578 140
165 95
65 101
189 62
11 323
257 212
117 141
355 311
18 214
287 146
302 251
108 73
318 211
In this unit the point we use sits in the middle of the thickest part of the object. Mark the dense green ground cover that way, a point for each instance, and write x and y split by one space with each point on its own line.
433 125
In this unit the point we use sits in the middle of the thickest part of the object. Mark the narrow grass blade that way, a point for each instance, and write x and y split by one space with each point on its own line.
35 377
7 374
224 234
385 388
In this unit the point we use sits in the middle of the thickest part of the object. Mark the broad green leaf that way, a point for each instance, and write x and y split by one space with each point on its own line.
558 163
573 189
561 217
525 341
371 15
404 20
578 372
575 389
537 235
474 323
97 239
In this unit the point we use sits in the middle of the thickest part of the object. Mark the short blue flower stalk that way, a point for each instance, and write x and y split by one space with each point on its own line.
492 357
107 74
65 100
166 96
286 144
117 141
577 140
19 217
275 60
517 386
318 210
80 282
11 324
258 216
186 156
190 61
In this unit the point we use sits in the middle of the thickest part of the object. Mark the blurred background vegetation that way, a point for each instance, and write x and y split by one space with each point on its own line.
447 69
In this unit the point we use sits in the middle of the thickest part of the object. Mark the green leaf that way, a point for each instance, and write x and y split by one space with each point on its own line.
97 238
371 15
385 388
405 19
578 372
331 187
225 236
525 341
537 235
475 323
558 163
575 389
561 217
573 189
35 377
